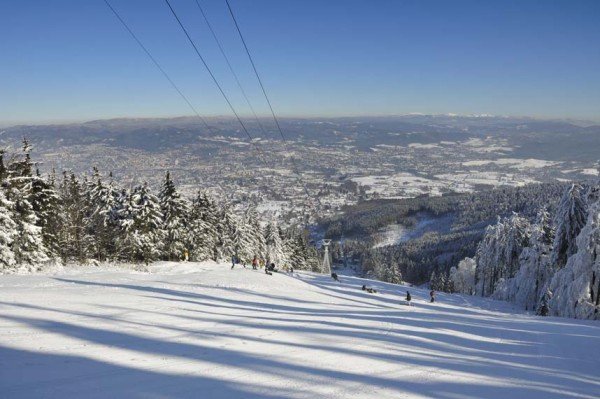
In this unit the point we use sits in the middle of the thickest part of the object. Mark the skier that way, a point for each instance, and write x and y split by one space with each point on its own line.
270 269
408 298
335 276
432 295
261 263
255 263
232 261
186 255
369 289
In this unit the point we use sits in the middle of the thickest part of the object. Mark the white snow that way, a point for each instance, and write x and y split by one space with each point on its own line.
516 163
205 331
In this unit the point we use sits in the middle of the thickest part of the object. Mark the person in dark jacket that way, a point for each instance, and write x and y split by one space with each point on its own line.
408 298
432 296
335 276
369 289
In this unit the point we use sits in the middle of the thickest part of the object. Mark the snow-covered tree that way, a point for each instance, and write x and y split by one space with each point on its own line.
569 220
498 253
226 227
8 229
463 276
575 288
275 248
141 221
28 244
175 211
103 220
243 240
73 235
526 287
202 236
255 229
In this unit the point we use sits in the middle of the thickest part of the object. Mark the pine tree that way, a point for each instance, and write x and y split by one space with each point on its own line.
8 228
141 222
255 230
575 288
202 237
275 249
570 219
226 227
45 203
73 238
103 221
28 244
175 211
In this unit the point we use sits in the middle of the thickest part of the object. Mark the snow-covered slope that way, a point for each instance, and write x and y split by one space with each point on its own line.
204 331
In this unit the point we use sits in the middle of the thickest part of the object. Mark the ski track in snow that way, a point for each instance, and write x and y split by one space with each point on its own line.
203 330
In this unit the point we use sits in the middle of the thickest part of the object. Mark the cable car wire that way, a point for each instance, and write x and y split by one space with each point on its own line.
235 76
294 165
160 68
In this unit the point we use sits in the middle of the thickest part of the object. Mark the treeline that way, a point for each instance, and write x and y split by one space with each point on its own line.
550 265
431 256
72 219
366 218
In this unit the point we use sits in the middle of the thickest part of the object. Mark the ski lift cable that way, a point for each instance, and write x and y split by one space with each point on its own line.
165 74
158 66
294 165
215 80
262 156
235 76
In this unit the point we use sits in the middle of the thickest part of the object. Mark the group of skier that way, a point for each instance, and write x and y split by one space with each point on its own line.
259 263
408 297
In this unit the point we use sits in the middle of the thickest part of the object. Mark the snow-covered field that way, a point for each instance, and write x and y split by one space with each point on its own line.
204 331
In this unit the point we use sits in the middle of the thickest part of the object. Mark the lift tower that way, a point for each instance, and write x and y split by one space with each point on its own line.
326 265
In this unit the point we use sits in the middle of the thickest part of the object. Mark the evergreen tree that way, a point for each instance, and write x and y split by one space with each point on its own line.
175 211
570 219
73 237
141 222
8 229
202 237
103 221
28 244
275 249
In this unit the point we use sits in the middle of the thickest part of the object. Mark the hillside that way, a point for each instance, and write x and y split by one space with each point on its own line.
203 330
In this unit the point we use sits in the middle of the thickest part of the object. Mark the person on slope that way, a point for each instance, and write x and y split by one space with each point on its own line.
432 296
270 269
369 289
255 263
335 277
233 261
408 298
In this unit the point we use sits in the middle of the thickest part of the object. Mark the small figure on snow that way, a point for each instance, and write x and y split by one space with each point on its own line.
270 269
335 276
233 259
186 255
408 298
369 289
432 296
255 263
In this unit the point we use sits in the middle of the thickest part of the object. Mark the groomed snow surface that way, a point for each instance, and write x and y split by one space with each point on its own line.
205 331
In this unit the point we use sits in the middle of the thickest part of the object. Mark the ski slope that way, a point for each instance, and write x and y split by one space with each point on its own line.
204 331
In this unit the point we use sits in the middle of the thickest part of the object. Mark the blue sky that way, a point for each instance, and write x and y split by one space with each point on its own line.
72 60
